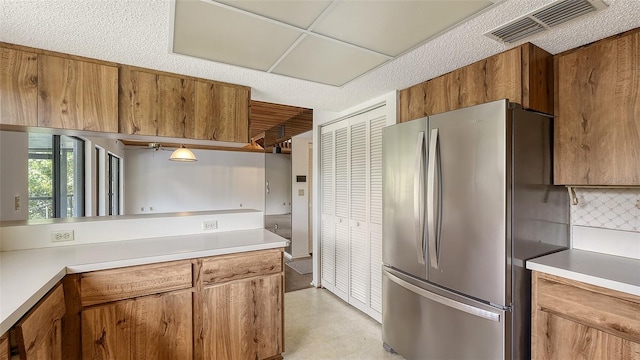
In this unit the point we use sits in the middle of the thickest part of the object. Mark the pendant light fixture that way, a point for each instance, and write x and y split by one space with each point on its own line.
183 154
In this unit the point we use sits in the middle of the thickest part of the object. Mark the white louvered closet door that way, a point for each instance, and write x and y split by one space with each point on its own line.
342 213
359 247
351 201
327 234
375 216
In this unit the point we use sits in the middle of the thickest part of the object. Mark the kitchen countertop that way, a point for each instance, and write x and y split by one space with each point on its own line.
608 271
27 275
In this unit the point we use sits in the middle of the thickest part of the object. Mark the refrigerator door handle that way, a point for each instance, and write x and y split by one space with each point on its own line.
418 203
444 300
431 199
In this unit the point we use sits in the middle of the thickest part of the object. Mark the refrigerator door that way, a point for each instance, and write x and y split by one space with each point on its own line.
421 321
403 167
467 208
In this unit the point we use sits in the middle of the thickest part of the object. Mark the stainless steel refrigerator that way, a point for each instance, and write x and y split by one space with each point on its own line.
467 198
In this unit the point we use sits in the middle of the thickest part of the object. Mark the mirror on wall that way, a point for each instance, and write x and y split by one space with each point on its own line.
57 174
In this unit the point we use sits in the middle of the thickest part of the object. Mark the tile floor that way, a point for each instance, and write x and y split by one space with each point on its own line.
318 325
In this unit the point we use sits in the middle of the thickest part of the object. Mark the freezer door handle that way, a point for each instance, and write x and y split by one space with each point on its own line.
418 202
433 201
444 300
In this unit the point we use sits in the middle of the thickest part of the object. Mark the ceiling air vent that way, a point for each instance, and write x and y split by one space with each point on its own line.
544 18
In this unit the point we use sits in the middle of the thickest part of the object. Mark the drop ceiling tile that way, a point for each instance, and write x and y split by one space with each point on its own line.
393 27
210 32
297 13
325 61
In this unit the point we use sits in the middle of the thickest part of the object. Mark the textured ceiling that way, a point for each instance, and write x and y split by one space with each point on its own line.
137 32
332 43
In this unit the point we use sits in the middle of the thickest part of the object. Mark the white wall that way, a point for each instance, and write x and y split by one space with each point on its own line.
14 181
218 180
278 174
300 195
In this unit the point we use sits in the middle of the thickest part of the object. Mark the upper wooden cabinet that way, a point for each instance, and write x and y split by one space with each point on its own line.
162 104
597 125
222 112
523 75
18 87
38 88
155 104
77 95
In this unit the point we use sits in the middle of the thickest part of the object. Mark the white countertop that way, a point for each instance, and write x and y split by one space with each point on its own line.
27 275
608 271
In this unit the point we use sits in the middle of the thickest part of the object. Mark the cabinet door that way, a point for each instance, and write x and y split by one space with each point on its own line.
5 352
18 87
77 95
559 338
597 124
39 333
244 319
149 327
154 104
222 113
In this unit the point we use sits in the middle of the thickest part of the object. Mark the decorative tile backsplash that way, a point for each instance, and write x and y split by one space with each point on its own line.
614 209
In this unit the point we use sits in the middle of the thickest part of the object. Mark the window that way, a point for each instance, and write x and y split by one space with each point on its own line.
56 176
114 185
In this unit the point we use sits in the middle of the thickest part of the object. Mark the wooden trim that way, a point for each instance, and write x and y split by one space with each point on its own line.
190 146
198 310
71 328
537 79
58 54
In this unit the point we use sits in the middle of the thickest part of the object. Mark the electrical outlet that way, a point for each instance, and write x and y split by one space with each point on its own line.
209 225
59 236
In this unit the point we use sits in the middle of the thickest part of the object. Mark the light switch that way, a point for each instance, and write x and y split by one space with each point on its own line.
300 192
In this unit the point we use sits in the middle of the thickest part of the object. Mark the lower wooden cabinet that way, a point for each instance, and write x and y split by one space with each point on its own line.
243 319
39 333
574 320
5 352
148 327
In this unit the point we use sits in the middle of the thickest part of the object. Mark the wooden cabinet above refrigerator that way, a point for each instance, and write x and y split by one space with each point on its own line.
523 74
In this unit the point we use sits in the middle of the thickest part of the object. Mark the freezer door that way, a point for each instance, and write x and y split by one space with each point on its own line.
467 201
420 321
403 166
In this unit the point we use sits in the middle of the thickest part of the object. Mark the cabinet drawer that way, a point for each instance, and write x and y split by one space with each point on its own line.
607 310
129 282
240 266
4 347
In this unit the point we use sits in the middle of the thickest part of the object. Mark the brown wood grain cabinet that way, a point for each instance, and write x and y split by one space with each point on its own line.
156 104
574 320
163 104
148 327
39 332
219 307
5 351
18 87
222 113
241 304
77 95
523 75
597 124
